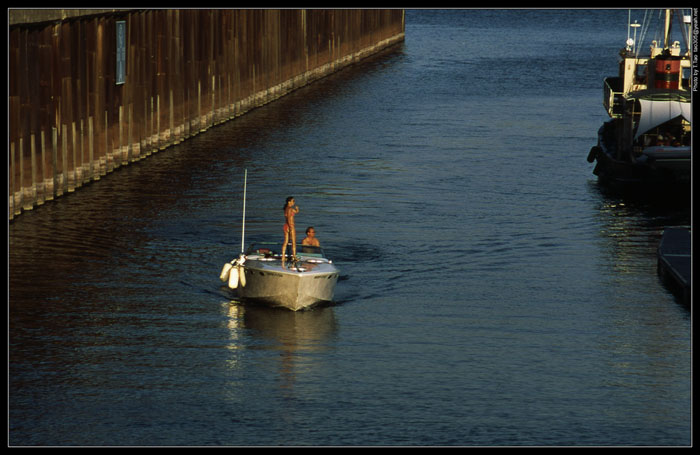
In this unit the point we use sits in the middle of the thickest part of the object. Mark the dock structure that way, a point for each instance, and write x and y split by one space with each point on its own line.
93 90
674 261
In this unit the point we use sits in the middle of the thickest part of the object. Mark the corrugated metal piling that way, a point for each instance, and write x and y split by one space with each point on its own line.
674 261
72 120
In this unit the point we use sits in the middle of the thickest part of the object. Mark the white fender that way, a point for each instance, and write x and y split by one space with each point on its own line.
225 272
233 279
241 273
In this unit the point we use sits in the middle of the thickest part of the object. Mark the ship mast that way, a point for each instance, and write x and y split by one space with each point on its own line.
667 27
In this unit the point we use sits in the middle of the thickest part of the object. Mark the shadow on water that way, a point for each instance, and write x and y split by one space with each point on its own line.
652 198
634 219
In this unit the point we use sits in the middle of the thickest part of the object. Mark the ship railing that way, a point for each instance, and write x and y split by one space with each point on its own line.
612 96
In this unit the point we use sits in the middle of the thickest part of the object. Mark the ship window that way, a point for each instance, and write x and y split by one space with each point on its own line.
121 52
640 76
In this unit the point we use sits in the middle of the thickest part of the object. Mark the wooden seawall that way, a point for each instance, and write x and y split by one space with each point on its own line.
92 90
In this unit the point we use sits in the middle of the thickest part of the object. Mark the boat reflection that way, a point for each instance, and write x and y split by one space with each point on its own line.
296 335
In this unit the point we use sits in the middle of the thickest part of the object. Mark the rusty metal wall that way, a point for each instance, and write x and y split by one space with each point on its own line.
186 70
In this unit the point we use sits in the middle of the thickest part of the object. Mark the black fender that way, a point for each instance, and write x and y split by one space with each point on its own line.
595 150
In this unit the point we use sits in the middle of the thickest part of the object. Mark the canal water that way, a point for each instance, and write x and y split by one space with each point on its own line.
491 291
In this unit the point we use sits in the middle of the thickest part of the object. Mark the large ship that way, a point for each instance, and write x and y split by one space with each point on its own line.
648 136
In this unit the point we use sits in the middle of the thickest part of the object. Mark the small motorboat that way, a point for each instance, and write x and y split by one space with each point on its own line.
262 274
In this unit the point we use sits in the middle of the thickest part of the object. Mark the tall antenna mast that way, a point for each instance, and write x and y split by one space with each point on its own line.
245 187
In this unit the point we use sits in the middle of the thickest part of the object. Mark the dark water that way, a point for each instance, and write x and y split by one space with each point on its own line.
491 292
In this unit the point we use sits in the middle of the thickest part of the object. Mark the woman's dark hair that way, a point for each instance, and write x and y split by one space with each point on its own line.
287 202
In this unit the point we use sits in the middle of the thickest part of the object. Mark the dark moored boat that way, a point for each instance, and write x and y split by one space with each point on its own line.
647 139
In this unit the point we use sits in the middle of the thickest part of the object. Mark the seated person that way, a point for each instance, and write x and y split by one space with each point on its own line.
310 239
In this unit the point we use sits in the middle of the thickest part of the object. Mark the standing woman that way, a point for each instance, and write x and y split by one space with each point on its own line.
289 211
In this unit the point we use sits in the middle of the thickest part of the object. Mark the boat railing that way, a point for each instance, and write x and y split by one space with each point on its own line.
273 249
612 96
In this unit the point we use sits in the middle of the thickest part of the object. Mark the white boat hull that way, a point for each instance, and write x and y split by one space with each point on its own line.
261 275
296 290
